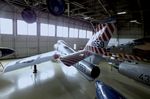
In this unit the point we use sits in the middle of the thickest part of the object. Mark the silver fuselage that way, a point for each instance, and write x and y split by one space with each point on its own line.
137 71
88 70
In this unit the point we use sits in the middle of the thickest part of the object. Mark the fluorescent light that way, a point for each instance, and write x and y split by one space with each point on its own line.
119 13
135 21
86 18
132 21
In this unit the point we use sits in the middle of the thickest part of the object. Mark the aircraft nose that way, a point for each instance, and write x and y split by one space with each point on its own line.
106 92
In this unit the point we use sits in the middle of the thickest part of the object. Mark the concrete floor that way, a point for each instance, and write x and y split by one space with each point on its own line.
56 81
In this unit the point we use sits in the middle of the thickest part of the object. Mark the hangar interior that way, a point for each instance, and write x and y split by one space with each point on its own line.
75 26
127 29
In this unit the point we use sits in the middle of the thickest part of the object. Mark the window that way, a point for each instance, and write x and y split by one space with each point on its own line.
32 29
59 31
6 26
24 28
44 29
89 34
51 30
73 32
82 33
47 30
62 31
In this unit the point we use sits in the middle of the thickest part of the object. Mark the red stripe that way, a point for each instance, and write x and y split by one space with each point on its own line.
106 36
72 60
100 26
131 57
108 33
100 50
96 50
111 27
97 28
139 58
67 62
103 36
93 49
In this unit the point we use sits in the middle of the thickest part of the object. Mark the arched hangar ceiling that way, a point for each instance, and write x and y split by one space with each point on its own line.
95 10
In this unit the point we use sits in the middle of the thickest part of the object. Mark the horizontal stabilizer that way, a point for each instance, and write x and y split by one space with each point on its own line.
75 57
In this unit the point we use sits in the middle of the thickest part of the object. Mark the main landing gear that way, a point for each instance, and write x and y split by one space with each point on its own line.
35 69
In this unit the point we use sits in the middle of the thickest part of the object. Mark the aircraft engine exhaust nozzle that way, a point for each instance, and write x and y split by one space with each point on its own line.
89 71
95 72
104 91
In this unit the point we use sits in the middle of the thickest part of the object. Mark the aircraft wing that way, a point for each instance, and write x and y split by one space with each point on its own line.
33 60
29 61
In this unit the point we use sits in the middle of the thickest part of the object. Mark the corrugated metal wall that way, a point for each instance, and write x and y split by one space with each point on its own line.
31 45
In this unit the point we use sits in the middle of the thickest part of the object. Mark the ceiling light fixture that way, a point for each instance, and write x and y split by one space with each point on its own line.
135 21
119 13
86 18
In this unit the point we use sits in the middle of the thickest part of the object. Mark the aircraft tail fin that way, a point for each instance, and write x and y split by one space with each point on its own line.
99 41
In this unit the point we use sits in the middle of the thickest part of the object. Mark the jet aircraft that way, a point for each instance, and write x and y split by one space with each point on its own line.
104 91
132 66
4 51
69 57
